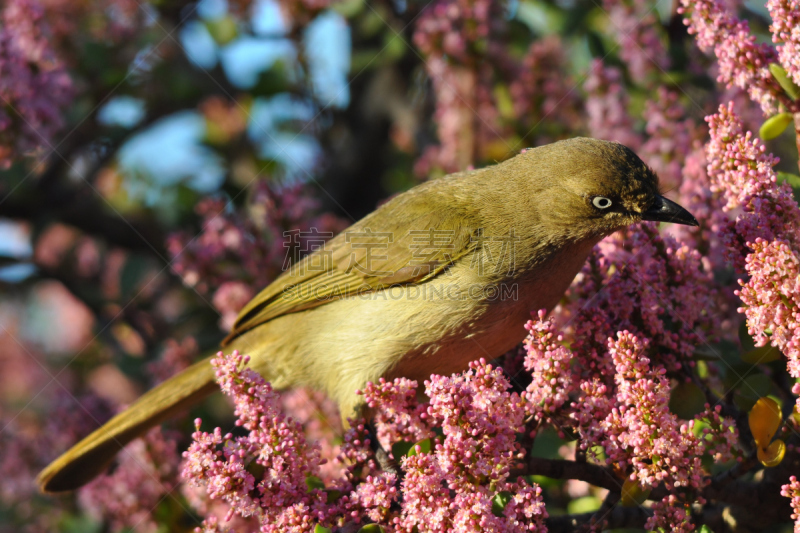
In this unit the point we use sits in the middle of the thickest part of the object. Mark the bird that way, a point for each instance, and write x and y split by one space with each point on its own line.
443 274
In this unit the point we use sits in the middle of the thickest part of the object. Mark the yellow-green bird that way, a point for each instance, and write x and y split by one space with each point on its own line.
441 275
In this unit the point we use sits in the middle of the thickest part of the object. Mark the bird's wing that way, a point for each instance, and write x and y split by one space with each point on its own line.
412 238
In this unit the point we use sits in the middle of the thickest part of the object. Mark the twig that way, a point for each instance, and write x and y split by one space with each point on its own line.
562 469
609 516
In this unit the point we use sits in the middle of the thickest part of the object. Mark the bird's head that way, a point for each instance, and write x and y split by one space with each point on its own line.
594 187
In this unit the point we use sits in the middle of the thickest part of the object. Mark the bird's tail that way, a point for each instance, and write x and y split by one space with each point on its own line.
88 458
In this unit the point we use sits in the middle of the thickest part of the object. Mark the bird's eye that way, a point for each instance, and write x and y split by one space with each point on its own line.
601 202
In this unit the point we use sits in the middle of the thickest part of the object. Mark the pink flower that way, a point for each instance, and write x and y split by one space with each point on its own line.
548 361
128 497
229 299
34 85
771 298
792 490
786 29
542 89
607 106
641 431
671 514
480 419
175 357
742 62
248 251
766 234
263 473
398 414
647 280
640 47
455 39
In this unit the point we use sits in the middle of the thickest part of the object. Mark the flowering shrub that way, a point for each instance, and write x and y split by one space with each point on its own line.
453 480
660 394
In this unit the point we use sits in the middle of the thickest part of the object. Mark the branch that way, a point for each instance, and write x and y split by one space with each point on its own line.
89 217
609 516
562 469
78 206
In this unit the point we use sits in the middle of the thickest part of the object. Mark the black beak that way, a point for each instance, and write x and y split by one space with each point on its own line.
664 210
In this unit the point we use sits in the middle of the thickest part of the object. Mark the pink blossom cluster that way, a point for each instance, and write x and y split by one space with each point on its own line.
766 234
607 106
31 437
652 286
234 253
479 418
398 415
452 487
34 85
792 490
453 28
146 473
321 422
626 423
542 89
743 62
640 46
670 514
671 135
696 195
629 419
640 431
456 118
786 29
455 37
548 362
175 357
263 473
771 298
451 482
739 166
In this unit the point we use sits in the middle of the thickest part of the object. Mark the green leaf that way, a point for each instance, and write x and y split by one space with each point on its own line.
542 481
425 446
705 529
541 17
223 30
499 502
332 495
750 390
586 504
313 482
792 179
348 8
319 529
774 125
79 524
745 338
401 448
371 528
547 444
794 182
687 400
785 81
763 354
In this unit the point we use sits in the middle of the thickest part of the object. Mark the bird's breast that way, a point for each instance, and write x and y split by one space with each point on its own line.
489 318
